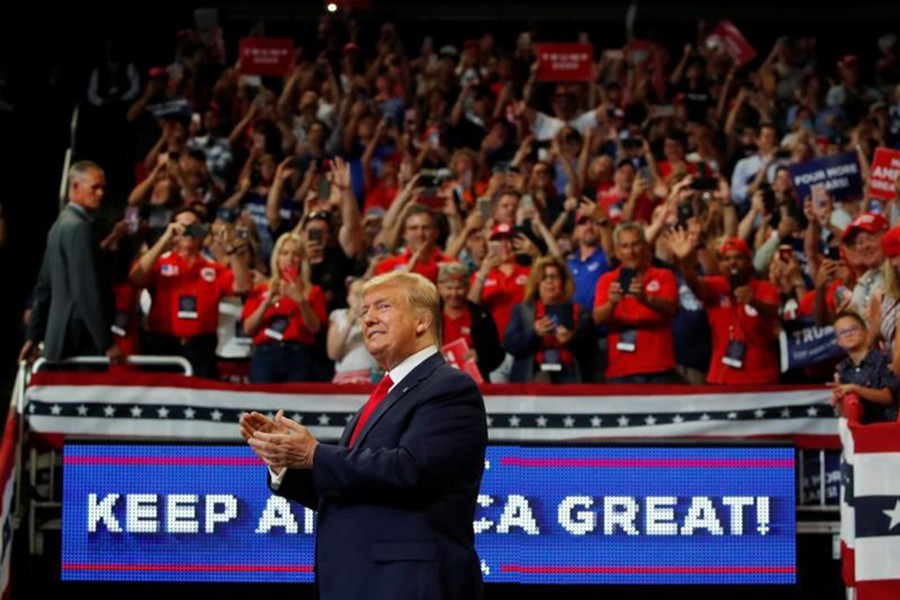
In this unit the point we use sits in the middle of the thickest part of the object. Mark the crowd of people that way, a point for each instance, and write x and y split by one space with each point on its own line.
641 227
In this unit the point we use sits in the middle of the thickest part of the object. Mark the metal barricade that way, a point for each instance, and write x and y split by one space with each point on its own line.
41 495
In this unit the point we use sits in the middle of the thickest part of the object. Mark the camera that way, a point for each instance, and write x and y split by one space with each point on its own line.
705 184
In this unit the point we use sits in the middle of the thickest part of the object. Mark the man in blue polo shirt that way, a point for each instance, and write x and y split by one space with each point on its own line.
587 263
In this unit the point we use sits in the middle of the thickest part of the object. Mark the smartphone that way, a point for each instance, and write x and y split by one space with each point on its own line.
173 156
314 235
428 42
634 143
626 274
818 194
561 315
485 207
785 252
291 273
527 202
323 165
324 190
706 184
196 230
833 253
737 279
685 213
132 218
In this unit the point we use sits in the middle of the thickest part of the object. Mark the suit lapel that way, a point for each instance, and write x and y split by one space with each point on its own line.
400 390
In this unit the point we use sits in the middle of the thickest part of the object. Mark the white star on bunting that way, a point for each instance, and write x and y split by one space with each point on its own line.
216 415
82 410
759 413
785 413
595 421
677 419
623 421
55 409
109 411
569 421
514 421
812 411
189 413
894 515
162 412
324 419
650 420
136 411
541 421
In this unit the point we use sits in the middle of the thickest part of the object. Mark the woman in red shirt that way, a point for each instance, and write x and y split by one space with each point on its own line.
283 315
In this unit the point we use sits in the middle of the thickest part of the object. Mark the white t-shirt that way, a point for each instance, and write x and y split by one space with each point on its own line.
232 342
357 357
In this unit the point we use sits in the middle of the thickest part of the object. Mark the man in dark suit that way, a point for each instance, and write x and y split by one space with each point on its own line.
72 310
396 496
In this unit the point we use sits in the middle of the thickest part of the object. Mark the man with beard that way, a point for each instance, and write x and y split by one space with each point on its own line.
421 255
742 311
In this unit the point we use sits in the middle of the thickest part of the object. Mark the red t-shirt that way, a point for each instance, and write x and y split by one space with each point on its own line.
427 268
729 321
283 321
460 327
501 292
653 347
186 297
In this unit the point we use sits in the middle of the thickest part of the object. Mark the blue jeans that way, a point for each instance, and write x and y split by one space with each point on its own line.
281 362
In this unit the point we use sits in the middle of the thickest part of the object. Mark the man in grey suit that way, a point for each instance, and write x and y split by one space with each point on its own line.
72 308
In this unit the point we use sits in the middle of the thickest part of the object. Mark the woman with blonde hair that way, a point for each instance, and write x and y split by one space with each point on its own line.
547 330
283 315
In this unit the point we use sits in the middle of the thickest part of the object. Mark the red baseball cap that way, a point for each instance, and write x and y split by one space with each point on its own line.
890 243
868 222
732 244
501 230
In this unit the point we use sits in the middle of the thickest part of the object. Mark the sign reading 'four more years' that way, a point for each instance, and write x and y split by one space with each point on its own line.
544 515
840 174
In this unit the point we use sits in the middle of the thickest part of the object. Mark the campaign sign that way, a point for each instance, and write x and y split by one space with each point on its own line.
266 56
545 515
885 171
565 62
733 42
840 174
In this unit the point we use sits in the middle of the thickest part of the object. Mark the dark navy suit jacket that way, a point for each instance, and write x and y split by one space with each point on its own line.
395 512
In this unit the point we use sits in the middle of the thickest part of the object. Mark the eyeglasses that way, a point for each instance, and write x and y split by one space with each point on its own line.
841 333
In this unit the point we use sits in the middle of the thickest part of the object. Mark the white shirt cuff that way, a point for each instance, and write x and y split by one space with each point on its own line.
277 477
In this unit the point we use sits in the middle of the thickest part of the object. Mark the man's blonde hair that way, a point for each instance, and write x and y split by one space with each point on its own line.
421 296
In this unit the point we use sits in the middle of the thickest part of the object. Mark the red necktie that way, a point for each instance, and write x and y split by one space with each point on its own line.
378 394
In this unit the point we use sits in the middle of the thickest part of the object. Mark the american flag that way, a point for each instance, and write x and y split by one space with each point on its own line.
870 509
8 480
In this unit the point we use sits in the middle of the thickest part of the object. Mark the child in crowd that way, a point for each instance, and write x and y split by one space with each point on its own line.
866 371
